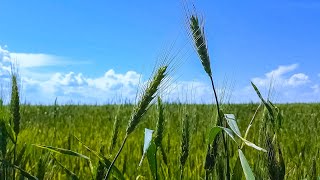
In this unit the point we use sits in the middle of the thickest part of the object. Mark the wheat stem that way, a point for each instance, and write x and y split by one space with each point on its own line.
116 157
221 123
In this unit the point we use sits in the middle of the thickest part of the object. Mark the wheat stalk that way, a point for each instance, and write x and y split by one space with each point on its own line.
15 113
160 124
185 143
199 40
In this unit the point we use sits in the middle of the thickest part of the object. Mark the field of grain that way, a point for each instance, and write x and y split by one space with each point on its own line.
57 125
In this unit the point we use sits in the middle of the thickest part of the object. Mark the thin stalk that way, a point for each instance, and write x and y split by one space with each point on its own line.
156 164
181 173
250 124
115 158
14 158
207 175
220 120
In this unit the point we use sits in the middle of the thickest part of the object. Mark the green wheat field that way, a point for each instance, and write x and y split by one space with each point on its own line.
93 125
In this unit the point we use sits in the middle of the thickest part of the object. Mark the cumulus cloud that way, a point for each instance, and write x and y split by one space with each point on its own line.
287 85
112 80
280 78
79 88
298 79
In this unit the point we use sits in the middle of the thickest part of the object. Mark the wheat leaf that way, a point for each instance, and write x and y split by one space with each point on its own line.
151 156
62 151
213 133
231 120
245 166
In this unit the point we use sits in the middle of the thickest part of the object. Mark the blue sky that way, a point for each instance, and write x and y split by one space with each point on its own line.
97 51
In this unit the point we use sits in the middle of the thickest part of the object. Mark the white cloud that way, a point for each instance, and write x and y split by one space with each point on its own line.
79 88
279 77
298 79
29 60
111 80
287 86
281 70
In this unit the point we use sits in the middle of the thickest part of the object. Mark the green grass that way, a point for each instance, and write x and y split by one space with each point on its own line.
54 126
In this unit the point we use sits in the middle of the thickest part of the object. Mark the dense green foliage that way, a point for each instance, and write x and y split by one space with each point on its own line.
56 125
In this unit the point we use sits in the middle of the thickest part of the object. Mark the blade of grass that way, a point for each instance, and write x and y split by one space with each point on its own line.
152 159
231 120
245 166
62 151
213 133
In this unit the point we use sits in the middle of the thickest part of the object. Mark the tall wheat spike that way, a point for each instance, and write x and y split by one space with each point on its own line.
15 104
141 108
198 36
200 43
146 98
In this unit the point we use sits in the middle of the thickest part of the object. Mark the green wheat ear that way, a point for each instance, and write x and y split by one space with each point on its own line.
15 104
115 130
141 108
146 98
200 43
